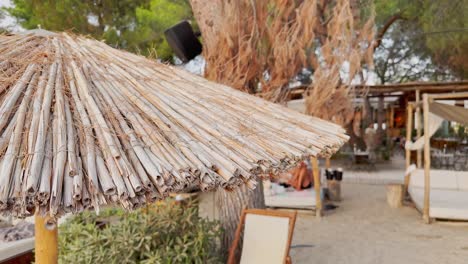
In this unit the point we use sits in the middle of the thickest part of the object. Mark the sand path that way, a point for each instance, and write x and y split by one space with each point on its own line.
365 230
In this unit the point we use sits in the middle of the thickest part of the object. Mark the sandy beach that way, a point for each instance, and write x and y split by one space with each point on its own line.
364 229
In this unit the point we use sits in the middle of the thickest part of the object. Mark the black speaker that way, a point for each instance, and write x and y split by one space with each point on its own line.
329 174
183 41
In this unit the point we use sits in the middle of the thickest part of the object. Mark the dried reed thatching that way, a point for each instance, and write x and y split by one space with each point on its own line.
83 125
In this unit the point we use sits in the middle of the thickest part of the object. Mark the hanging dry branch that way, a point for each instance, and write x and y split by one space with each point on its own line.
260 46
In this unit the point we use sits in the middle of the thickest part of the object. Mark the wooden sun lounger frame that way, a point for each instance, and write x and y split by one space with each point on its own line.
285 214
426 98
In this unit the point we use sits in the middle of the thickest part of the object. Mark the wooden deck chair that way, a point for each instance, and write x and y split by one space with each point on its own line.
267 237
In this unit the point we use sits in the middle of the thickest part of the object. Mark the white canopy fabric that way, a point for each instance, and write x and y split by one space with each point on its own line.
450 112
434 123
439 112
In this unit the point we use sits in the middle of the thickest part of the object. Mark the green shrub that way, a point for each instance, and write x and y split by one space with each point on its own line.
164 233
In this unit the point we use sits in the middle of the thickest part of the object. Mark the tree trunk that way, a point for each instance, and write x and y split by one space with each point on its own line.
230 205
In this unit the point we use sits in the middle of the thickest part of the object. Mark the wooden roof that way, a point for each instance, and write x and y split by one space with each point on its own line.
389 89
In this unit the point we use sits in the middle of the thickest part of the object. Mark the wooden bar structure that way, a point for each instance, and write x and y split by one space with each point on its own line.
426 100
387 89
396 97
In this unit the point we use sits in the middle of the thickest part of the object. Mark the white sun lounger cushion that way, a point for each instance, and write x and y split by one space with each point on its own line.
441 179
265 239
448 195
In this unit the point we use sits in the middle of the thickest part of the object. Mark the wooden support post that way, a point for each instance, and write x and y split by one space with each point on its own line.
327 163
427 161
392 117
409 129
317 186
418 127
46 243
380 118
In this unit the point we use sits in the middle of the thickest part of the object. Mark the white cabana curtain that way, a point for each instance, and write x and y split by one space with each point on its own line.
434 123
439 112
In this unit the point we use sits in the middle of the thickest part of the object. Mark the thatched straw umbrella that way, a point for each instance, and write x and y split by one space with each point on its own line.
84 125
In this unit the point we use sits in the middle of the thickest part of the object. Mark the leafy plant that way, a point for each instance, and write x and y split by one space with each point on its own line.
167 232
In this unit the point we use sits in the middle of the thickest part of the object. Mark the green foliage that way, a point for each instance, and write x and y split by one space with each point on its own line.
163 233
435 28
152 21
135 25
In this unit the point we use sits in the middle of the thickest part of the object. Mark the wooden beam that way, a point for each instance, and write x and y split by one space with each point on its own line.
392 117
427 161
409 129
380 118
418 128
376 90
317 186
448 96
46 242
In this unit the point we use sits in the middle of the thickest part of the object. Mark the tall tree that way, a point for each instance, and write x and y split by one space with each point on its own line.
433 29
135 25
259 46
403 57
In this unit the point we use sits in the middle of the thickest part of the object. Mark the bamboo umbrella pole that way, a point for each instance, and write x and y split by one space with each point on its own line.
317 186
427 161
46 242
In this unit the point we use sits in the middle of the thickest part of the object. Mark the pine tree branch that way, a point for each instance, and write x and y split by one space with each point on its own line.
385 28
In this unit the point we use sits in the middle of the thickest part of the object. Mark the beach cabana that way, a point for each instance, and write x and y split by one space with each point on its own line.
437 193
83 125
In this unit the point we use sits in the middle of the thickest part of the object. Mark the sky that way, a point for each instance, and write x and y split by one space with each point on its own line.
8 21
